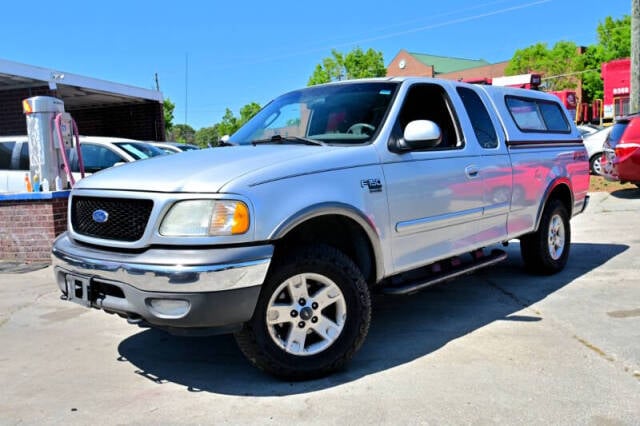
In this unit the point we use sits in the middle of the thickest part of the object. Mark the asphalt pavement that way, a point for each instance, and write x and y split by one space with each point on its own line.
498 346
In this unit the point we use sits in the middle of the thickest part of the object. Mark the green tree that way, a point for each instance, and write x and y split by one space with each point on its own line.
167 109
248 111
230 123
563 66
614 42
182 133
208 136
530 59
559 65
355 64
614 36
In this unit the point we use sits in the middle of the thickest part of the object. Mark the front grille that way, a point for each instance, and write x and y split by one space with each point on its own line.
126 218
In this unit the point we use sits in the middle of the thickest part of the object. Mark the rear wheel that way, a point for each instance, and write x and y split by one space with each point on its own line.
546 251
312 315
596 164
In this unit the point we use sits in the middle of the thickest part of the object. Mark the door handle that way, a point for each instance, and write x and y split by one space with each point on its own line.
472 171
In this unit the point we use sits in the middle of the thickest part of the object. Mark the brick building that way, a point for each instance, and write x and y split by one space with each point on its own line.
424 65
100 108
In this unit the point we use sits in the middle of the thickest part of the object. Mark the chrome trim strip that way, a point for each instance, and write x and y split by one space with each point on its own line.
496 209
215 272
545 144
440 221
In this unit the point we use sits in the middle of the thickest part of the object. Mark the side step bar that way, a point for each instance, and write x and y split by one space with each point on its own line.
411 287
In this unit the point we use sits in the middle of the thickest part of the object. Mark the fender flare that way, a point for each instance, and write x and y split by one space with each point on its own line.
557 182
336 209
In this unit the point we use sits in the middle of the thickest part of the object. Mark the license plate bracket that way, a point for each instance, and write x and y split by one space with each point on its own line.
79 289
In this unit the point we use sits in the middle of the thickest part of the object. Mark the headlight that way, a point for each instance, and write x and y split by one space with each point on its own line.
202 218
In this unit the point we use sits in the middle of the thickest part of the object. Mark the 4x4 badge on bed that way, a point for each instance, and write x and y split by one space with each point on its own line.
100 216
374 185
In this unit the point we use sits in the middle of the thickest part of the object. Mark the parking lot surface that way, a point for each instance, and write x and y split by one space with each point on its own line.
499 346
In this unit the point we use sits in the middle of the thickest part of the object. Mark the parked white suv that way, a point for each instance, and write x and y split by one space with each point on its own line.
594 144
98 153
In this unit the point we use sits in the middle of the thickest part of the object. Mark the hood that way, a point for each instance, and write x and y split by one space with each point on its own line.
205 170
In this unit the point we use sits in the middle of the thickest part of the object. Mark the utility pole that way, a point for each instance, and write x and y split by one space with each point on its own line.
635 57
157 82
186 85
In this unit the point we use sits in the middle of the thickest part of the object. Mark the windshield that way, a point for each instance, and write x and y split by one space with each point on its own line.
348 113
140 150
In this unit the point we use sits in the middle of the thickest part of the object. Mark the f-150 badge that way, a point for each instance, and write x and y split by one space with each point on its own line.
374 185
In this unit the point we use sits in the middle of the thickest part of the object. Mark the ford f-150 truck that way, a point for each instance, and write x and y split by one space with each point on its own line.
327 194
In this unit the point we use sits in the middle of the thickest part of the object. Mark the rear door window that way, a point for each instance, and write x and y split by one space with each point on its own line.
480 119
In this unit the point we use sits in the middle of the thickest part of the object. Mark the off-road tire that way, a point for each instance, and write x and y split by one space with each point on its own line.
537 248
258 345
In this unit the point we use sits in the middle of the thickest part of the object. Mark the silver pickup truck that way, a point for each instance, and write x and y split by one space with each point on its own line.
327 194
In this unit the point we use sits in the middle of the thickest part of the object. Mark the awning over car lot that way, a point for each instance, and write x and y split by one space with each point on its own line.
100 108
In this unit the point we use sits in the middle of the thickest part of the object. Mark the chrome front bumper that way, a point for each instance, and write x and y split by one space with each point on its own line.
168 288
167 270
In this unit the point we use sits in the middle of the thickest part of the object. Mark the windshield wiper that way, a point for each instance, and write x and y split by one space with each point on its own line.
279 139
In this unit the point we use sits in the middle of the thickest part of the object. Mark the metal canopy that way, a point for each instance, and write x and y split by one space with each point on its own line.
75 90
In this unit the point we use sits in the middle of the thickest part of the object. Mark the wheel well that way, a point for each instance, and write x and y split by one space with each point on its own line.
563 193
337 231
594 156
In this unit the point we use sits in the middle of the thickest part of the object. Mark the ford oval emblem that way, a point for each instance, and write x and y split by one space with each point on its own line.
100 216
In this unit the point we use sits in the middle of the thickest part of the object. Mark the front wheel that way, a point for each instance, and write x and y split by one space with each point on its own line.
312 315
546 251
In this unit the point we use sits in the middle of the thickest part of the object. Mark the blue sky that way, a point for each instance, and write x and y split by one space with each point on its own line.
213 55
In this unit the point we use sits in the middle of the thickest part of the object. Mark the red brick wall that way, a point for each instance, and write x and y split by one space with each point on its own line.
28 228
12 119
142 121
412 67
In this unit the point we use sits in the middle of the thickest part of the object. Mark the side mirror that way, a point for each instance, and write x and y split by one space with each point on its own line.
420 134
224 141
